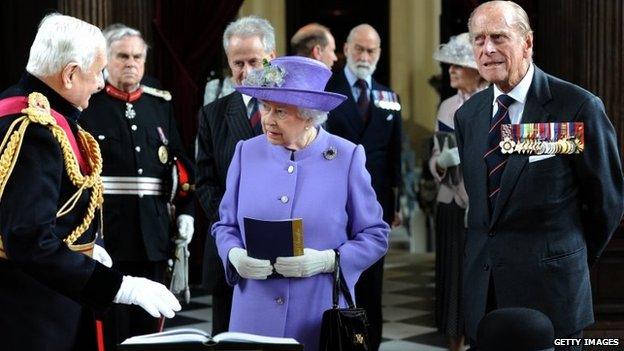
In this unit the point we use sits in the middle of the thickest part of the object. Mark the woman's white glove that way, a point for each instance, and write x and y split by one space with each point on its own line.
448 157
100 255
249 267
153 297
312 262
186 228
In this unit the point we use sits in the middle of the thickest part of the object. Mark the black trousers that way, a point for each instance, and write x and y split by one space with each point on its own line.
368 296
124 321
213 280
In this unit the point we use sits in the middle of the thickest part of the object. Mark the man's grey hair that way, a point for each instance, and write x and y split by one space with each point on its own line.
251 26
520 18
61 40
118 31
318 117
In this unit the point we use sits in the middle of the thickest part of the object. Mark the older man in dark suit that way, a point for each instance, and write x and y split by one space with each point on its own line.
542 210
222 123
370 116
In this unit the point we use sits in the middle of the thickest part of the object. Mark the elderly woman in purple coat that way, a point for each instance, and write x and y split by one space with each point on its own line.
296 170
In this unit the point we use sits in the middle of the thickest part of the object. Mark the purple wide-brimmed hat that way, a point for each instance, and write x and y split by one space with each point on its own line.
292 80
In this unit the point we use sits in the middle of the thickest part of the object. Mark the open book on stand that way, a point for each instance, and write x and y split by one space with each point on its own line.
191 339
269 239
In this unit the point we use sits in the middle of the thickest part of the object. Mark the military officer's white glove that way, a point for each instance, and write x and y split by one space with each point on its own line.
249 267
186 228
153 297
100 255
312 262
448 157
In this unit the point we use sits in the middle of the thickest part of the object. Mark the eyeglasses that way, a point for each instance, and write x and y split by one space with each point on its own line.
359 50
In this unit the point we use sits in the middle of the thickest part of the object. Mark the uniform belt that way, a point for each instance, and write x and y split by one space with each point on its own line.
86 249
132 186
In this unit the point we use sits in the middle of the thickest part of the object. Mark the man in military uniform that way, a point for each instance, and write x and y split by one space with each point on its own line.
370 116
223 123
136 131
50 201
316 42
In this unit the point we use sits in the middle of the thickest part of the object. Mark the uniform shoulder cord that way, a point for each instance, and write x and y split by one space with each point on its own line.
38 111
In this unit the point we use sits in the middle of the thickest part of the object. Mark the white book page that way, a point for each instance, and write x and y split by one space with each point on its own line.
245 337
170 336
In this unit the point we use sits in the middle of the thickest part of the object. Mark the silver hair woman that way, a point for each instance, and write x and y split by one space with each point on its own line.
276 176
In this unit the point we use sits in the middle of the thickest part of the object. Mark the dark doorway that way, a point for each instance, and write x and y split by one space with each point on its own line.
18 26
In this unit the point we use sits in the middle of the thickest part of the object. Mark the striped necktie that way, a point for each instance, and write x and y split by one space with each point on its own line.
494 158
255 117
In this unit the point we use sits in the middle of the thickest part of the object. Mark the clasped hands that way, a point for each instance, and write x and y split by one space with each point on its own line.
312 262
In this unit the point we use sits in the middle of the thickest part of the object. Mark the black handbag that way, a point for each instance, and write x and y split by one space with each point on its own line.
343 329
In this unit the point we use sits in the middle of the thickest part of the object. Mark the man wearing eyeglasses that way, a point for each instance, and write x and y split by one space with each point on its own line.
370 116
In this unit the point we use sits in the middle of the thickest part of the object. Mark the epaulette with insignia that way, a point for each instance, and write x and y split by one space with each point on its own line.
164 94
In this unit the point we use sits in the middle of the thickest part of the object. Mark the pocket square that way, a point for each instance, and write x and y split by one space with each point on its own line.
539 158
390 117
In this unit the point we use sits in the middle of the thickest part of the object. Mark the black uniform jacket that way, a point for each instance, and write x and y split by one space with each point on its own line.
381 138
552 216
44 283
136 227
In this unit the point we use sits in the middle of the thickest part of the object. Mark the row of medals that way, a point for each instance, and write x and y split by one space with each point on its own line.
539 147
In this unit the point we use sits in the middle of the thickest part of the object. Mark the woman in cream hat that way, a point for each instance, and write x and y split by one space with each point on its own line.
296 170
452 199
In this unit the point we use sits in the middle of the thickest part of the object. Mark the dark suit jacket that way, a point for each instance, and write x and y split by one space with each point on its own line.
222 124
381 139
551 217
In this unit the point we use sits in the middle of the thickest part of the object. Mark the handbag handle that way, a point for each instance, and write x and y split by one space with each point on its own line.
340 284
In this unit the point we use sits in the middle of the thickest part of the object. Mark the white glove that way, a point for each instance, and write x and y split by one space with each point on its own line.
186 228
100 255
448 157
249 267
312 262
153 297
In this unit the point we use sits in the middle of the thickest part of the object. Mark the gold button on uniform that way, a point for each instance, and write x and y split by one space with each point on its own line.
291 169
284 199
279 300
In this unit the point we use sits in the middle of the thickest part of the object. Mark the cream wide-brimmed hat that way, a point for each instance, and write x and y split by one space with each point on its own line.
458 51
